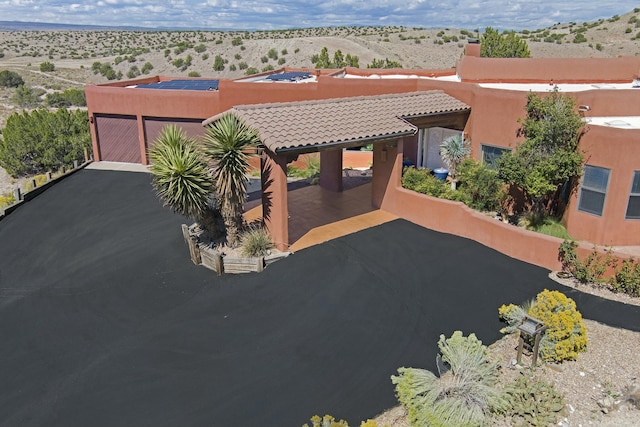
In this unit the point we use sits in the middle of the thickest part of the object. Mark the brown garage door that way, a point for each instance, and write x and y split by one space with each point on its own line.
118 138
153 126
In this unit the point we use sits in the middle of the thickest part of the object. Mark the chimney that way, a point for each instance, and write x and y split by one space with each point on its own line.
473 47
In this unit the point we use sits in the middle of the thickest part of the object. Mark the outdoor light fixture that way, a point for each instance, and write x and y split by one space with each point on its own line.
584 108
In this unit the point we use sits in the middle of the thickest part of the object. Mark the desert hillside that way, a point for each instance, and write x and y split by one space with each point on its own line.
82 57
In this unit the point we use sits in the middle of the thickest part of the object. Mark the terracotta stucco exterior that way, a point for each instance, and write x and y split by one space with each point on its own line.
493 121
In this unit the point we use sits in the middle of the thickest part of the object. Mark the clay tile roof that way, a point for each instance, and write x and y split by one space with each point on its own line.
307 124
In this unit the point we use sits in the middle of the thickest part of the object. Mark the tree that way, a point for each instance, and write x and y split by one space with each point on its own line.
228 143
43 141
549 157
10 79
323 59
181 177
338 59
505 45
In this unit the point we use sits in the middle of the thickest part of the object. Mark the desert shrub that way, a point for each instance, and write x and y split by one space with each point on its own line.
218 63
200 48
627 278
485 190
566 334
532 402
69 97
255 242
6 200
10 79
39 180
250 71
589 270
25 96
47 66
462 395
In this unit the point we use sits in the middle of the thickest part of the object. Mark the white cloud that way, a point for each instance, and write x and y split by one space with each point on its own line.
263 14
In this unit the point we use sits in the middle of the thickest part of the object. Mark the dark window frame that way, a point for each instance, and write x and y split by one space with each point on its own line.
492 164
634 195
587 190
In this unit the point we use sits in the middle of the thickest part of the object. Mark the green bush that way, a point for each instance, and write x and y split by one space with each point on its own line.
627 278
10 79
532 402
461 396
47 66
25 96
255 242
484 189
591 270
68 98
43 140
422 181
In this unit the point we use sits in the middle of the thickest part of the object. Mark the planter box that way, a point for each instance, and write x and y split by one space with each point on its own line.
243 265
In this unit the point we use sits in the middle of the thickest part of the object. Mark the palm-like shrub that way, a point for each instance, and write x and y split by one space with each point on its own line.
463 395
181 177
453 150
228 143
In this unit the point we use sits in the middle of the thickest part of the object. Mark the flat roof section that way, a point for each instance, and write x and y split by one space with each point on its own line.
182 85
619 122
564 87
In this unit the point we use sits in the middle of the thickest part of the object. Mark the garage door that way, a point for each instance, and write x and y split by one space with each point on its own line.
118 138
153 125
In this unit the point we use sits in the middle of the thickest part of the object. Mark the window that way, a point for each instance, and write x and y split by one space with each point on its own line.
594 189
491 154
633 208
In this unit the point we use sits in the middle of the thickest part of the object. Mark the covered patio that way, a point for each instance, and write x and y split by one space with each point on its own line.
287 130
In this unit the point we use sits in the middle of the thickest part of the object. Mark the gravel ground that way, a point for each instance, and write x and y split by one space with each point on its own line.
605 372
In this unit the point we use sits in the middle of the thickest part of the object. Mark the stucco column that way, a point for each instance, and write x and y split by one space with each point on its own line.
331 170
387 171
275 209
141 140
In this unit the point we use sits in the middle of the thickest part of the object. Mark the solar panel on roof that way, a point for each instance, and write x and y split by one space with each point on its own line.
290 76
182 85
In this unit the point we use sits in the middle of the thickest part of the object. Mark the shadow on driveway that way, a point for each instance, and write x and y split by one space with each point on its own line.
105 321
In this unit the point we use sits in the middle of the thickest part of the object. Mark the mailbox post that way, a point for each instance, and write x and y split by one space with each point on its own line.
532 328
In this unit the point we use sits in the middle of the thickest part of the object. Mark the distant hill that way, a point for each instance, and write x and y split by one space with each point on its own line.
47 26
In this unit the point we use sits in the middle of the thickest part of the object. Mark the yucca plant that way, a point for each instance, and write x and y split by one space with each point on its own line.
228 144
453 151
462 395
181 177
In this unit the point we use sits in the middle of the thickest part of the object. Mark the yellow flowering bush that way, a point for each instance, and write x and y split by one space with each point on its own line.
566 334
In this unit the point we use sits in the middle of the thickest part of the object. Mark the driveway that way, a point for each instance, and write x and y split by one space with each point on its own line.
104 321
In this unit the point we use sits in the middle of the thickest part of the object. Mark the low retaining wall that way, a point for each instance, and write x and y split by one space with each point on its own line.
457 218
27 196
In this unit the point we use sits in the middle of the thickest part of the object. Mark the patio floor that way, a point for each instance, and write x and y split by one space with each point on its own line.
317 215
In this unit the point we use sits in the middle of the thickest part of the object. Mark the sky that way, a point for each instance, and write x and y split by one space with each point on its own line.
283 14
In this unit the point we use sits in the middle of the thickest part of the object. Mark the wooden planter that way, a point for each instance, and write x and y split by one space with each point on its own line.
203 254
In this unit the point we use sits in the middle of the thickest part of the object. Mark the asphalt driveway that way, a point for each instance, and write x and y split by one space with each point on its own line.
104 320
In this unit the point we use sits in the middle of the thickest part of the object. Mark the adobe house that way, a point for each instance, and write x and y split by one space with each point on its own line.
489 97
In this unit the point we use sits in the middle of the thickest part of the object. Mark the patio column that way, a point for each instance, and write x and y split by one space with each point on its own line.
275 209
331 170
